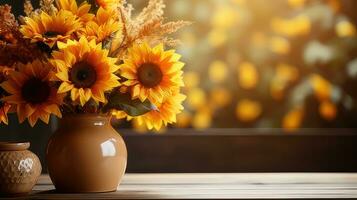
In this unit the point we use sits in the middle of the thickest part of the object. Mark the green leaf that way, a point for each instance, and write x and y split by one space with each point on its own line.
120 101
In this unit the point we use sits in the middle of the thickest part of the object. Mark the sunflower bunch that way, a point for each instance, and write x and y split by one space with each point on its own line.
90 57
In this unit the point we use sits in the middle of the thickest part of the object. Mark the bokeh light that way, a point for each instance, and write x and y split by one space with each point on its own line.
253 64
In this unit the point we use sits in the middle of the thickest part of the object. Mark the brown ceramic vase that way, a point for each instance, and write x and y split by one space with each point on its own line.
19 168
86 154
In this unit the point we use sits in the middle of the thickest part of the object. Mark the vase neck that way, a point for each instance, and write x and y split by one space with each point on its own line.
14 146
78 120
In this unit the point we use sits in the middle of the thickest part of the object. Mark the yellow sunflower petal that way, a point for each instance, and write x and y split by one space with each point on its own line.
4 109
45 117
53 108
99 97
18 77
62 76
82 97
74 94
65 87
87 94
136 91
10 87
32 120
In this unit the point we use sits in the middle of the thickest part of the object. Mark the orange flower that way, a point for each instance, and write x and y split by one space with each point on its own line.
104 25
50 28
152 73
32 92
85 70
166 112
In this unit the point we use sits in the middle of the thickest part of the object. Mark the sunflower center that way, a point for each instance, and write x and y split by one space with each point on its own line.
149 74
35 91
51 34
83 75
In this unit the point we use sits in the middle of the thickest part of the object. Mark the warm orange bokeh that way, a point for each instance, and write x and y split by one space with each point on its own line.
289 64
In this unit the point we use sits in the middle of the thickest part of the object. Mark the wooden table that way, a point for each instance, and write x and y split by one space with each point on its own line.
219 186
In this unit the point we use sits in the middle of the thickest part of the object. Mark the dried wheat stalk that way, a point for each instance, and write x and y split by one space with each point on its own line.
48 6
147 26
28 8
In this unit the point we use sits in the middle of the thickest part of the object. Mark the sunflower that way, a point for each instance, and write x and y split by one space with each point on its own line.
50 28
108 4
104 25
152 73
32 93
82 11
166 112
85 70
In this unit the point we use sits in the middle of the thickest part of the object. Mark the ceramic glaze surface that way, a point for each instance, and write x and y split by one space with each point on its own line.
19 168
86 155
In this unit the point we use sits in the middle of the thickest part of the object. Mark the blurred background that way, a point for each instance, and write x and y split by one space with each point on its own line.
252 64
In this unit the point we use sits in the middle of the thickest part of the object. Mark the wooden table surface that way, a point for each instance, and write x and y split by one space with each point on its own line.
219 186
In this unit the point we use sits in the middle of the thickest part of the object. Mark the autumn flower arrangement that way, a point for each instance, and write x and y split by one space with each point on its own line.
70 57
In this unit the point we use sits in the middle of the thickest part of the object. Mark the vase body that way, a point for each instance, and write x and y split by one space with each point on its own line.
19 168
86 154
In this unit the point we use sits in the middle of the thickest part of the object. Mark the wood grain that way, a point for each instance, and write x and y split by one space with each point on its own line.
219 186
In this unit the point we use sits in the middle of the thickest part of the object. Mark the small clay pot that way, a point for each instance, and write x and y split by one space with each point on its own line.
19 168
